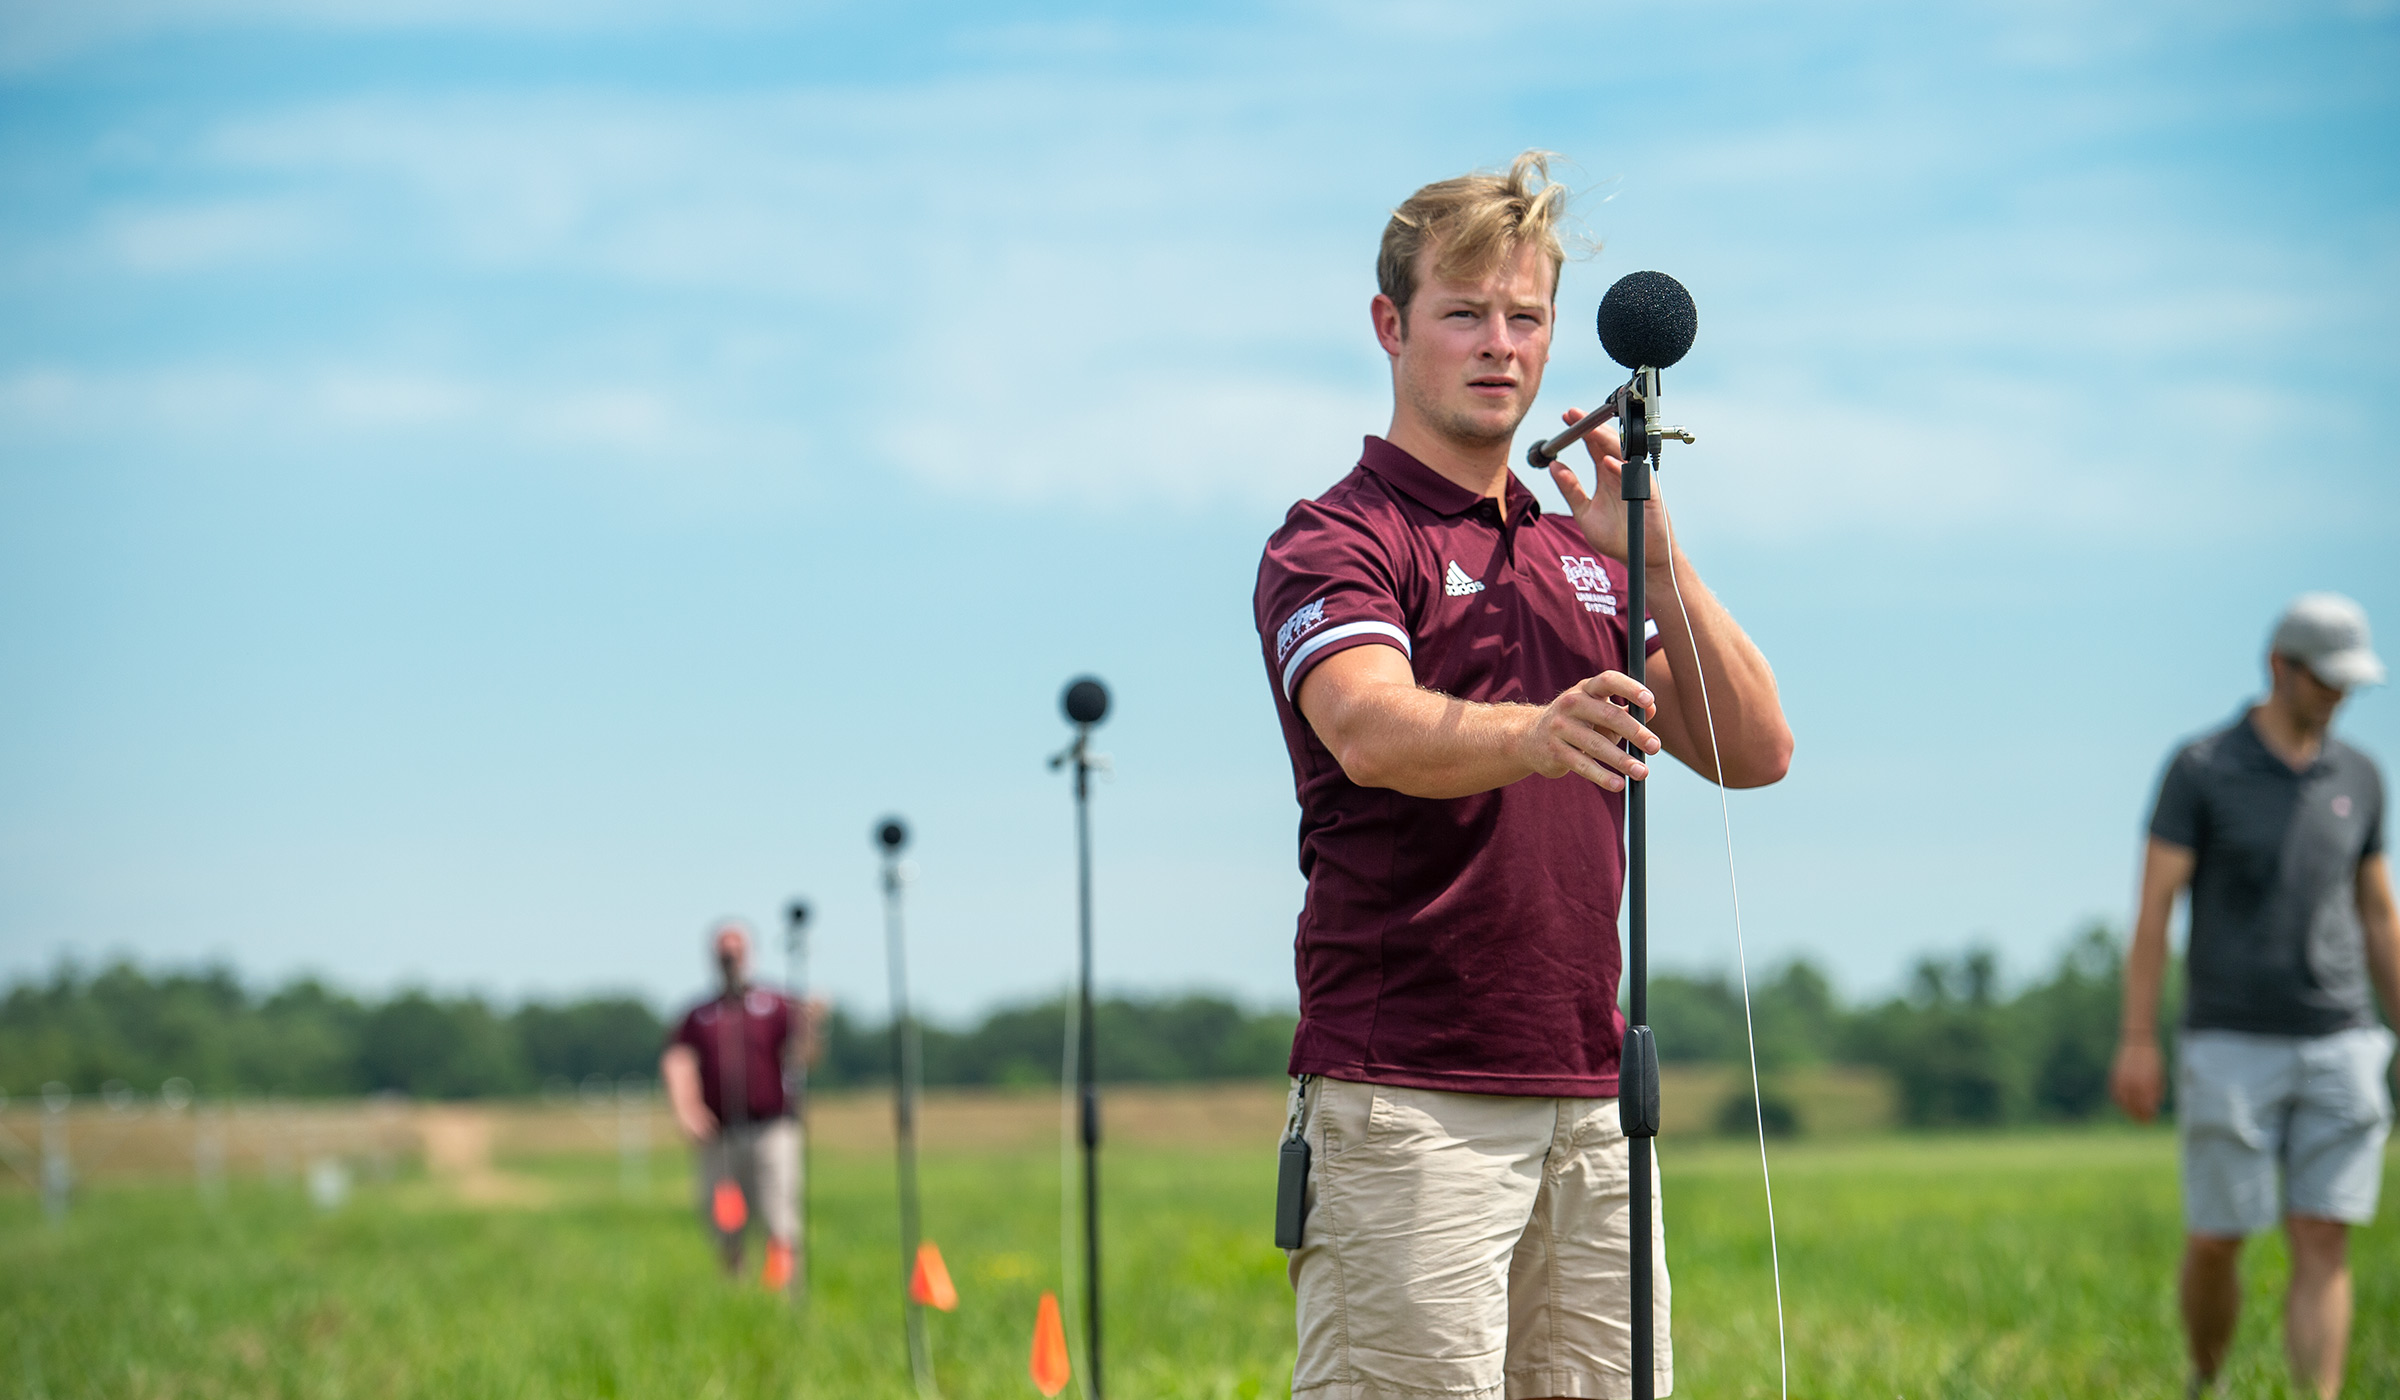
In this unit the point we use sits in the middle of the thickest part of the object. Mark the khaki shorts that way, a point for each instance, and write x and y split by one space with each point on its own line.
1467 1246
764 1160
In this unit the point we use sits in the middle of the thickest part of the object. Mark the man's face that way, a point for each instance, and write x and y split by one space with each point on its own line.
1469 358
2311 699
733 956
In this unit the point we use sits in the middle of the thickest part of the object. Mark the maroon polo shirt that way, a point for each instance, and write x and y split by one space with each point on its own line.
740 1045
1462 943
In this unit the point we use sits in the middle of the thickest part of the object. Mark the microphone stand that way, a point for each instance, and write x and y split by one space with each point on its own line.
1085 703
1636 406
893 836
795 976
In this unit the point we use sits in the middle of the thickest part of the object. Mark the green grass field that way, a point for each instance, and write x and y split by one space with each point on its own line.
2035 1265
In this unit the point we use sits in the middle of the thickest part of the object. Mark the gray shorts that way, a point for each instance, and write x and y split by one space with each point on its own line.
2276 1125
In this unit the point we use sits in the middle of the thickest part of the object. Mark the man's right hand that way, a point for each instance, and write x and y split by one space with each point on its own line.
2138 1080
1582 732
698 1123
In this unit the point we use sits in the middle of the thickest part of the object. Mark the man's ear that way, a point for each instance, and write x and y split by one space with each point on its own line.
1391 324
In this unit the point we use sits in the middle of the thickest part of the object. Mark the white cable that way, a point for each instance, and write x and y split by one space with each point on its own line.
1741 953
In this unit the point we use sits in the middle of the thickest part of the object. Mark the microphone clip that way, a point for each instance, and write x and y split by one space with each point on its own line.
1634 405
1079 753
1637 408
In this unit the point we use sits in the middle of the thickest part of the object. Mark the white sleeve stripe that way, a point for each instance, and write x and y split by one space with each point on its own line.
1649 629
1330 635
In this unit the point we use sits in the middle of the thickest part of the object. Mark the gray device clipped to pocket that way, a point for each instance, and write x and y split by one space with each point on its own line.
1291 1174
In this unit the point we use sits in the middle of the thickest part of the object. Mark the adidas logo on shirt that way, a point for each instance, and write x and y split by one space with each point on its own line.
1457 584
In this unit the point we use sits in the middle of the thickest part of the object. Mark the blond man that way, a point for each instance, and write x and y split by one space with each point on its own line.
1447 663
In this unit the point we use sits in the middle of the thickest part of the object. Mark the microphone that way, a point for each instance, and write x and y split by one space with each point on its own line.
1086 701
1646 323
891 834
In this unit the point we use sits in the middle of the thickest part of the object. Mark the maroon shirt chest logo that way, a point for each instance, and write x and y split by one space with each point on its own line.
1590 582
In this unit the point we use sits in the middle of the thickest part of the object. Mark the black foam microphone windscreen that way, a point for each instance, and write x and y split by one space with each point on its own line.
1647 321
1086 701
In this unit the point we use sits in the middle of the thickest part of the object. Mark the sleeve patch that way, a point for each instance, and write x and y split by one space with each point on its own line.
1298 625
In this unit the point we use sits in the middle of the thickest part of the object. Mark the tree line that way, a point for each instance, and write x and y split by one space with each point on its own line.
1962 1047
306 1039
139 1028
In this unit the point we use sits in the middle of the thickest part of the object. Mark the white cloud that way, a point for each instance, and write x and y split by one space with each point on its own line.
1141 286
394 401
38 33
1140 436
334 415
191 237
1790 461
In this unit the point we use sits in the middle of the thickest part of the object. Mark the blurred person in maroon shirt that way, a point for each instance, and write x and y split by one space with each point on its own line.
725 1069
1447 665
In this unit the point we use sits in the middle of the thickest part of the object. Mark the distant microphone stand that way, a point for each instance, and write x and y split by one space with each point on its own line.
892 836
1646 326
795 976
1086 704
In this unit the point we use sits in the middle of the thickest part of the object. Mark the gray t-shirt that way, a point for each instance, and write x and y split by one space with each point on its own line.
2276 946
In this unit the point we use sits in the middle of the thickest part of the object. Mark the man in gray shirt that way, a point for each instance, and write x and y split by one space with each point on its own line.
2276 828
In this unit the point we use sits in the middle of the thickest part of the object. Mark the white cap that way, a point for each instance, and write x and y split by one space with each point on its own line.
2327 633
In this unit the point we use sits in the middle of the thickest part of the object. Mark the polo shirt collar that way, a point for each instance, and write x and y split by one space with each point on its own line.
1395 468
2255 748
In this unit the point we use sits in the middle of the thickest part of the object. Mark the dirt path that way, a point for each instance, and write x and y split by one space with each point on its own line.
458 1152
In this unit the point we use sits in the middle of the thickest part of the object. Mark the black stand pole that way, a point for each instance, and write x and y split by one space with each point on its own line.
795 976
1086 701
1646 323
892 836
1637 1090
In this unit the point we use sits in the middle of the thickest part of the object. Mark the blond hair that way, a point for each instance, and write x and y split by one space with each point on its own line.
1474 224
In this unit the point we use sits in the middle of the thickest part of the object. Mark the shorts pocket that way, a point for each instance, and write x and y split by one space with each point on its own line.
2213 1098
1339 1115
2354 1084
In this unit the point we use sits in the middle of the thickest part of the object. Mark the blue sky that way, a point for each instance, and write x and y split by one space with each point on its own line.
485 489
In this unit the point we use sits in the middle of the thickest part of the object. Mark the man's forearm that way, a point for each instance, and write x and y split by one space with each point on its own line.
2166 869
1388 732
679 1071
1740 686
2386 970
2145 973
2379 919
1427 744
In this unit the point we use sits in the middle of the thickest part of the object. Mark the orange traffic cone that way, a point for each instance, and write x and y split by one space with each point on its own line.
727 1206
1049 1365
777 1275
929 1282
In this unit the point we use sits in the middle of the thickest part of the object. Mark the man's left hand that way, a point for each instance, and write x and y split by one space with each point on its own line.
1601 513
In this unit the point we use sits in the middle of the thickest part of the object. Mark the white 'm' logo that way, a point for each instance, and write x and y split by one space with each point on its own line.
1584 574
1457 584
1590 582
